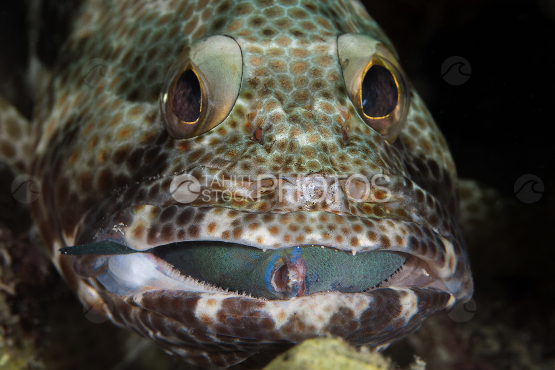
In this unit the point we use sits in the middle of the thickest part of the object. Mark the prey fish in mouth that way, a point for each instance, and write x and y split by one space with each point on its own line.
279 274
317 195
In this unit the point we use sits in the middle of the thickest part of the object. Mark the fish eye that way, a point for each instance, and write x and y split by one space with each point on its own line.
378 93
201 87
187 97
375 83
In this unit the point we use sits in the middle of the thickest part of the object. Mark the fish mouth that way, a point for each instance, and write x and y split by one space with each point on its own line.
289 271
265 254
274 274
369 293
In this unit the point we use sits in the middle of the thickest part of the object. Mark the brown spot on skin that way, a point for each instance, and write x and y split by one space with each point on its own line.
225 235
298 68
105 180
420 122
85 182
191 25
434 168
168 214
385 242
206 320
258 134
423 248
268 32
185 217
73 157
152 235
193 231
211 227
255 61
198 218
277 65
92 143
309 26
148 137
137 231
297 13
183 146
299 82
154 212
300 53
424 144
120 155
167 233
237 232
234 26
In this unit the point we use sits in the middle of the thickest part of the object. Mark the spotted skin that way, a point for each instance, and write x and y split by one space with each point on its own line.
15 138
106 164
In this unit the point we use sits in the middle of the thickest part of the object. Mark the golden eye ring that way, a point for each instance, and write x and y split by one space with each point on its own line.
184 96
201 87
375 84
379 63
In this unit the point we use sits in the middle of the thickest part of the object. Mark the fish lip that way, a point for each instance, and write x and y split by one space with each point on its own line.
243 311
116 227
405 198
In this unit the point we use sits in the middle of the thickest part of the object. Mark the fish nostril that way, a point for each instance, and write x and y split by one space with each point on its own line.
258 134
345 126
345 134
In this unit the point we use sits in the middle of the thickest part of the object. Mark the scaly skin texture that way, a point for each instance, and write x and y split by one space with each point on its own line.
15 138
106 163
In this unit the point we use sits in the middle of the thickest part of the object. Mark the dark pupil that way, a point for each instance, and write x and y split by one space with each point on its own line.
186 97
379 92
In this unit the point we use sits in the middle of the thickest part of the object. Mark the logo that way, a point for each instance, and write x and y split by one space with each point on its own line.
185 188
462 312
529 188
455 70
95 72
26 188
95 312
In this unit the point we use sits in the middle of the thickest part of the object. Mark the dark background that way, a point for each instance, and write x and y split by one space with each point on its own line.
499 123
